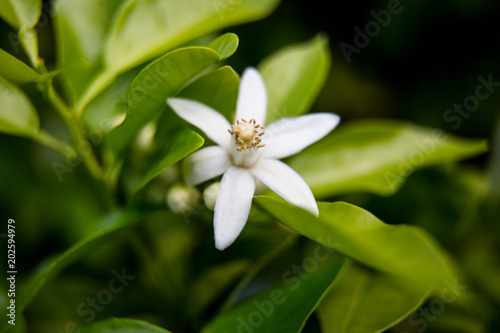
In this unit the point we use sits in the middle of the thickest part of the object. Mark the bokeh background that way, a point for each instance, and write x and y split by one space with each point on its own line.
428 58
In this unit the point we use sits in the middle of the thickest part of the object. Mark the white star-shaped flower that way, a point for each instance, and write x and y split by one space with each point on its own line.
247 150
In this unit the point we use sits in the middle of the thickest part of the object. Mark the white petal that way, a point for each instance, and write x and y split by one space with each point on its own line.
252 97
283 180
288 136
232 206
205 164
245 157
211 122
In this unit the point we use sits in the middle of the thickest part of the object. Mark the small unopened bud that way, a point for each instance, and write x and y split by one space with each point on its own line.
210 194
182 199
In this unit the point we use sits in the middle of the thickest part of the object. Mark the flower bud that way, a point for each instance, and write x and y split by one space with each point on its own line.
182 199
210 194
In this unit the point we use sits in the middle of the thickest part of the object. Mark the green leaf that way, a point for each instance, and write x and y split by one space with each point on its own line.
29 41
258 266
364 301
15 70
217 89
81 28
21 14
219 278
146 29
109 108
406 251
108 226
123 325
180 145
294 77
147 94
377 156
225 45
286 306
17 114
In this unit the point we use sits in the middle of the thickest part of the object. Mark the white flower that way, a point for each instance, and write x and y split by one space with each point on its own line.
246 150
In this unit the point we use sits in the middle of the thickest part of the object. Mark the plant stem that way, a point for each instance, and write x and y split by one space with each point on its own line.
79 138
50 142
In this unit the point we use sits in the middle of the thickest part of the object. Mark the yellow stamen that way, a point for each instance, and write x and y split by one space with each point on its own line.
246 134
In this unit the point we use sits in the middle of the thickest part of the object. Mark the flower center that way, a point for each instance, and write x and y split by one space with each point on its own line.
246 134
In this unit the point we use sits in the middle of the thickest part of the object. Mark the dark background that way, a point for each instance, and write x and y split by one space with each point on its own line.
426 59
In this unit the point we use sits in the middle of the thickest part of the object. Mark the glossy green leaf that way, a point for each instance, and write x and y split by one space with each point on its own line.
15 70
217 89
146 29
108 226
109 108
17 114
284 307
377 156
294 77
122 325
225 45
367 301
21 14
405 251
29 41
180 145
81 28
147 94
